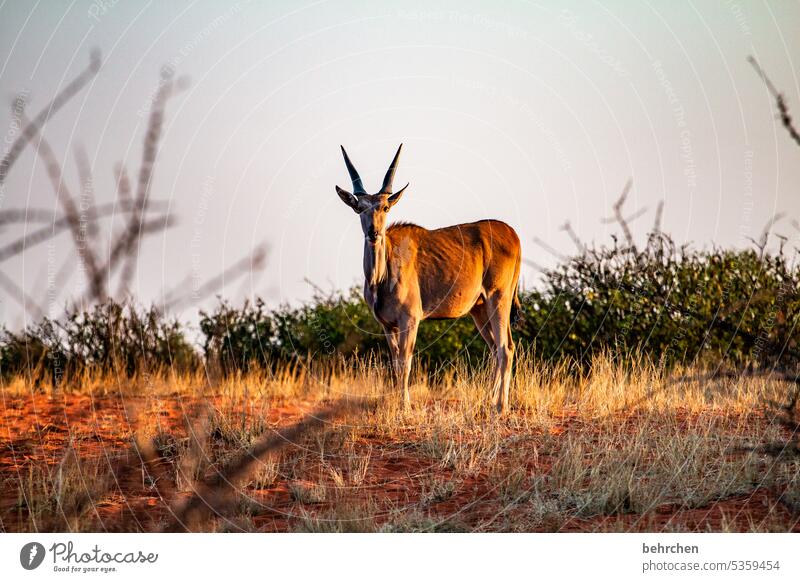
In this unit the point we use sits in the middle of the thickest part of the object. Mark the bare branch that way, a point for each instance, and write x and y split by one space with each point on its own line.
639 213
25 300
35 125
623 222
253 262
33 215
764 238
76 224
52 230
126 248
26 215
533 264
567 227
123 183
87 197
780 101
657 222
217 495
152 226
539 242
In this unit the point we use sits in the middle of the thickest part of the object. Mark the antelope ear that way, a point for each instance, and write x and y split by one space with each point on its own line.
348 199
394 198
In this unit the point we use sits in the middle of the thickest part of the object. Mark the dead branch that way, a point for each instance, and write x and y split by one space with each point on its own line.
25 215
254 261
539 242
87 197
567 227
620 219
123 183
25 300
84 228
35 125
127 246
53 229
657 222
629 219
533 264
81 216
763 240
77 225
217 496
780 101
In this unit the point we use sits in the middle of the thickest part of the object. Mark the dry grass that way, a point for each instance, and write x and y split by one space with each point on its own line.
617 448
65 496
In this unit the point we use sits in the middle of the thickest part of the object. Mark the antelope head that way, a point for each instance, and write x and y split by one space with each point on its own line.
372 209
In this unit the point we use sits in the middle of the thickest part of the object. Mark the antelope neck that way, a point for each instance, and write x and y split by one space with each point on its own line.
375 261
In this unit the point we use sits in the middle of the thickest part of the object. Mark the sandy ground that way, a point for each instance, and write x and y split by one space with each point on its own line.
38 430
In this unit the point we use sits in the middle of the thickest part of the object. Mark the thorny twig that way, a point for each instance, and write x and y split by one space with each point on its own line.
25 215
127 245
657 222
254 261
87 196
567 227
53 229
619 218
25 300
36 124
123 183
84 228
217 496
548 248
77 225
780 101
763 240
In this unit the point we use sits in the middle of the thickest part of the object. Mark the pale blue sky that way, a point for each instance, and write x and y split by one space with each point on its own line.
530 112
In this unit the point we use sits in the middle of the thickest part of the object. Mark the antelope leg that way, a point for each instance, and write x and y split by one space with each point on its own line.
407 337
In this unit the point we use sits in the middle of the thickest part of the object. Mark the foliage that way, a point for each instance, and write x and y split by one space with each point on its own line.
671 303
333 325
114 338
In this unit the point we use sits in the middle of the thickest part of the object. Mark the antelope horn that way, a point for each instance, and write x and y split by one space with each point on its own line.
387 180
399 193
358 186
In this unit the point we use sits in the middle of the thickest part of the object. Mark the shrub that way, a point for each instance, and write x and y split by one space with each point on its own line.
114 338
330 326
670 302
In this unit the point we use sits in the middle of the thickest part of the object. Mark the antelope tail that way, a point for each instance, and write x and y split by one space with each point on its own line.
516 308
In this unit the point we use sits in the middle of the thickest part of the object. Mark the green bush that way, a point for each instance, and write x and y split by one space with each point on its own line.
670 303
115 338
330 326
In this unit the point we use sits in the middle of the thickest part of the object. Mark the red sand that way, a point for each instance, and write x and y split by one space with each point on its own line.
37 430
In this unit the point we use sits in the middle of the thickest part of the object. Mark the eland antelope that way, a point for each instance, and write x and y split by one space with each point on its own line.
413 274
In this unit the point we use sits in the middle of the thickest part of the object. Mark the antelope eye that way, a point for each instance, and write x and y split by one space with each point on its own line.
386 209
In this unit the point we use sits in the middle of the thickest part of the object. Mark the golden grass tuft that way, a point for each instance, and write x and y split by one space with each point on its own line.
614 447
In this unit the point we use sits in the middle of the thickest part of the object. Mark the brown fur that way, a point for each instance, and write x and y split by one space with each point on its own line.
450 270
412 273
